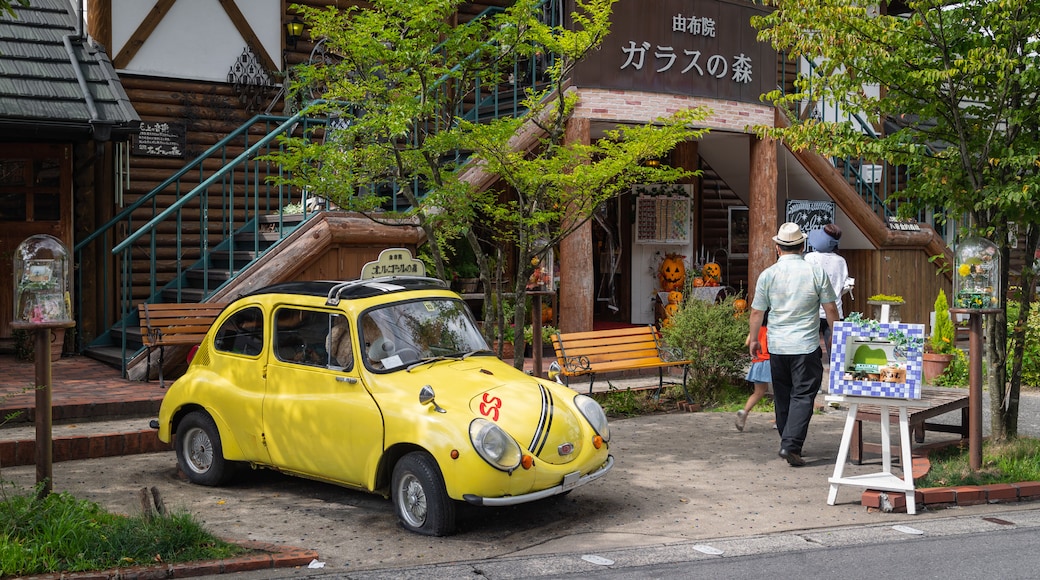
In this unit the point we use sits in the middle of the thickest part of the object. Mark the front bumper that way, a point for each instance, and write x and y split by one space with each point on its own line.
529 497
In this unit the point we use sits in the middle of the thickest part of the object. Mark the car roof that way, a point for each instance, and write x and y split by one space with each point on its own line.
334 290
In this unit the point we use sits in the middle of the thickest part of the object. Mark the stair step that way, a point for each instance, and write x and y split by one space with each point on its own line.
238 258
110 355
186 294
215 276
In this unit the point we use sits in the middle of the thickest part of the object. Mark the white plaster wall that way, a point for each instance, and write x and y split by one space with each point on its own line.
196 39
643 268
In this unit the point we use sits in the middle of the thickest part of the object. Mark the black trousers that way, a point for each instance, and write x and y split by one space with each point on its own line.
796 382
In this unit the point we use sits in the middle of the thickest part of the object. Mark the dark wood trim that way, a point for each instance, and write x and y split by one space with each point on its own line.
242 25
138 38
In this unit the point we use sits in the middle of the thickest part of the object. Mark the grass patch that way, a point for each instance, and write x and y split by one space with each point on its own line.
620 403
1002 462
60 533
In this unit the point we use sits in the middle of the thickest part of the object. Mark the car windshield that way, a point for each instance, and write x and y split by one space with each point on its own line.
403 333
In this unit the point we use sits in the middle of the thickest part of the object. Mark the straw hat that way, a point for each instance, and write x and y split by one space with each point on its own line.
789 234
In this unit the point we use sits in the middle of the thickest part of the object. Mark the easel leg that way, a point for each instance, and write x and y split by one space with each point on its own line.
906 462
843 452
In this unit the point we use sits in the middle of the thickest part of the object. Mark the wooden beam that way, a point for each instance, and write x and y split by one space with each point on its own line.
144 30
99 25
242 25
577 291
762 208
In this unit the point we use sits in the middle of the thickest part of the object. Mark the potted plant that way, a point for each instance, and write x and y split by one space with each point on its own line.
941 348
886 307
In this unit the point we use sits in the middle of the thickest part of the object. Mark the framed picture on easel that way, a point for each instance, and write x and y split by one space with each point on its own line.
739 231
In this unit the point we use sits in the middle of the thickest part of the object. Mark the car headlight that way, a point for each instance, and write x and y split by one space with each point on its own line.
593 414
494 445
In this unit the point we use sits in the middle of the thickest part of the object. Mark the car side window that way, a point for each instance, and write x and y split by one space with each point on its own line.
242 333
301 336
341 353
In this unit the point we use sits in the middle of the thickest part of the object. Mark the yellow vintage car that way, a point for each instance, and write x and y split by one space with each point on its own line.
382 384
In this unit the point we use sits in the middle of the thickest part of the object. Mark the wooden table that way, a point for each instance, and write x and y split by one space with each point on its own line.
934 401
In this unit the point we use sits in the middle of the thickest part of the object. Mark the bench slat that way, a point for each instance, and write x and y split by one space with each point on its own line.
174 323
611 350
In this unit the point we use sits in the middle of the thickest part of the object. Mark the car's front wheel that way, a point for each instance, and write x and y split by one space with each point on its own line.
199 453
420 500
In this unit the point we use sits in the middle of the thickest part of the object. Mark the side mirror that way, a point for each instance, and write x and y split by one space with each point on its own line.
426 397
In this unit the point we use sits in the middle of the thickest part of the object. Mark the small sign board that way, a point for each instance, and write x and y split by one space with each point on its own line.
393 262
877 359
160 139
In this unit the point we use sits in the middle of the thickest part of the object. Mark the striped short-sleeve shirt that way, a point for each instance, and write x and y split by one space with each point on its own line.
792 290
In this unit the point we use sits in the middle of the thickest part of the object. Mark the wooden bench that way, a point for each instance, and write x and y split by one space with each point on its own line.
934 401
165 325
625 349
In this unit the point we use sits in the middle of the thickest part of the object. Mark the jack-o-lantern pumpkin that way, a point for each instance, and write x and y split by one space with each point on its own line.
672 273
670 310
739 305
698 282
712 272
675 297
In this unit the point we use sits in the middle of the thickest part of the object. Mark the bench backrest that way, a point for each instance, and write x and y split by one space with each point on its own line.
163 324
625 344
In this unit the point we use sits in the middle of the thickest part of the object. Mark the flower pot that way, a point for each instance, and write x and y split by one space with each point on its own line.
885 310
467 285
508 350
934 364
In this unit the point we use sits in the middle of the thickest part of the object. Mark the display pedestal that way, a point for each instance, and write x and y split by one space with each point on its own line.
884 480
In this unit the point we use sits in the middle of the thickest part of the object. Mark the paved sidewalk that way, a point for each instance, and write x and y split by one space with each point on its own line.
680 479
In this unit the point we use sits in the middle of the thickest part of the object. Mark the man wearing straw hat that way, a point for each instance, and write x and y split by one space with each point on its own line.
793 291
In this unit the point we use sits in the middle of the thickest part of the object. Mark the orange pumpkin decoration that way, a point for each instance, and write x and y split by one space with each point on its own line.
740 305
547 314
712 272
675 297
670 310
698 282
672 273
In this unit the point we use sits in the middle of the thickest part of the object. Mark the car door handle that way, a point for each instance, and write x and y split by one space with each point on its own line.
350 380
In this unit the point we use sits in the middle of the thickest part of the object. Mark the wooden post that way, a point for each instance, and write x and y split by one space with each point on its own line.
44 445
577 282
762 212
974 382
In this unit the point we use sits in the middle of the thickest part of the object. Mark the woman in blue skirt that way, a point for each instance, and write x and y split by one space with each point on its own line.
757 374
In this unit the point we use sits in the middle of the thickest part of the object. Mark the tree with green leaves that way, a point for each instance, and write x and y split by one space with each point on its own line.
958 84
403 80
5 6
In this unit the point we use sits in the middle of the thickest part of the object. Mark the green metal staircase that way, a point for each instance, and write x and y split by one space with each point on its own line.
193 233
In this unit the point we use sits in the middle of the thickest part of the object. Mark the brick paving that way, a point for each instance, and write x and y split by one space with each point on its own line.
86 390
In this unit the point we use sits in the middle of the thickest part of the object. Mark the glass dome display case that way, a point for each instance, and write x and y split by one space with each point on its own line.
41 296
976 279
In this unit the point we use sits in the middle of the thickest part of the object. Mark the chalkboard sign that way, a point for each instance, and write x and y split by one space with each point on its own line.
810 215
160 140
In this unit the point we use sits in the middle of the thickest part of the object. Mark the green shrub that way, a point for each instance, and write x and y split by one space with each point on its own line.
955 375
712 337
1031 352
943 332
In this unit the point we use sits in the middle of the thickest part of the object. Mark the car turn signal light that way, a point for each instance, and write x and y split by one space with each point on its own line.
597 442
527 461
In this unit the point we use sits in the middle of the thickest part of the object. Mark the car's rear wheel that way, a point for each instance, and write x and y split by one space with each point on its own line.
420 500
199 453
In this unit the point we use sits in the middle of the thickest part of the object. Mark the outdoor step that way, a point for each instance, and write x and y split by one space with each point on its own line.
110 355
237 259
215 276
185 294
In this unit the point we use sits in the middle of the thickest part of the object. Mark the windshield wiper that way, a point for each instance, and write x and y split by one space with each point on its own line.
458 356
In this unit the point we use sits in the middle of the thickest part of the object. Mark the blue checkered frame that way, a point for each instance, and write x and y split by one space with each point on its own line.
844 382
